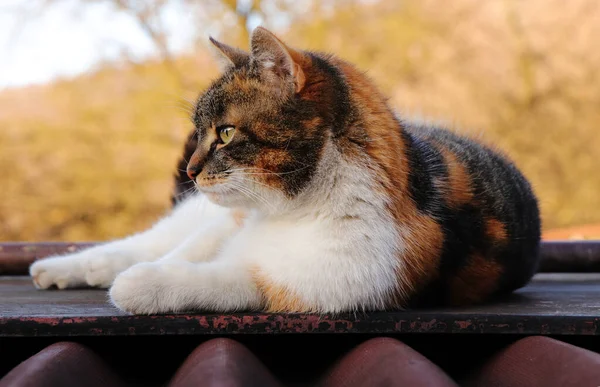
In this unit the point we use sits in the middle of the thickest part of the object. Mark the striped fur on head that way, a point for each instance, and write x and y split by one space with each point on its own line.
283 103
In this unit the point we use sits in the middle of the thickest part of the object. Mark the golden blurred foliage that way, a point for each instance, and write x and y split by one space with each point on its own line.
92 158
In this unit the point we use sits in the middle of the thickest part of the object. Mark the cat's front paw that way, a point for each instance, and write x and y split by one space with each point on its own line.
96 267
147 288
62 272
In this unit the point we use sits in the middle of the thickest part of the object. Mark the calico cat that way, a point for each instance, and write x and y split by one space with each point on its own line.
312 195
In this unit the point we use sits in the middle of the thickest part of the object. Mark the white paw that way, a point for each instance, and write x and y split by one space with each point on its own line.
148 288
91 268
62 272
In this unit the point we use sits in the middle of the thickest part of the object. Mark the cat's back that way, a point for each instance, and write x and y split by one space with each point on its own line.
487 209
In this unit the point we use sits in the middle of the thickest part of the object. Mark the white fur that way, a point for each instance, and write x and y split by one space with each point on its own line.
99 265
335 246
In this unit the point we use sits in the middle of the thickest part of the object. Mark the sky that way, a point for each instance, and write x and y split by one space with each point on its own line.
38 44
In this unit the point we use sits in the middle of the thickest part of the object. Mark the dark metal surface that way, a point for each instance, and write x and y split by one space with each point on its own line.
570 256
557 256
16 257
557 304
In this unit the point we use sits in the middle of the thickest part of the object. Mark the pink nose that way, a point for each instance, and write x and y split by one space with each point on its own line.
193 171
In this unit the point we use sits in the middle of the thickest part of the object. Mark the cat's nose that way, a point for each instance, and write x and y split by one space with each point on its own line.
196 163
193 171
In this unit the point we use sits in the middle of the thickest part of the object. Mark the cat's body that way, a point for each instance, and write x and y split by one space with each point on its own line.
315 197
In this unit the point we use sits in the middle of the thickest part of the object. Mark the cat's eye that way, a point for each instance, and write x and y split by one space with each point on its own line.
226 133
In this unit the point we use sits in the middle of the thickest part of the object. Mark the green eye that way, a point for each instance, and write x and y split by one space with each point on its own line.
226 134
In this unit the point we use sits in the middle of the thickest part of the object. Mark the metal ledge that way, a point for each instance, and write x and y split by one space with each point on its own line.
552 304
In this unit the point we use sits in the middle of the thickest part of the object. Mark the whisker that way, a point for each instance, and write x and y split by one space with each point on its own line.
242 178
251 194
265 173
244 191
194 187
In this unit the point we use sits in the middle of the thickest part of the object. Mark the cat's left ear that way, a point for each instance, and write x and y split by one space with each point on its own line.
228 55
279 64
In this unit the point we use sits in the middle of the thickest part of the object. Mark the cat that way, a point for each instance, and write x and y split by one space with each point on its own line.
302 191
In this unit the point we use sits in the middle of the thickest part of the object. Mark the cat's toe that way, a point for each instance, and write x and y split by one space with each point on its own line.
40 278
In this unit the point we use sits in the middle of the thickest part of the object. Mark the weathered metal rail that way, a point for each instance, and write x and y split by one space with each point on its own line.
552 304
556 256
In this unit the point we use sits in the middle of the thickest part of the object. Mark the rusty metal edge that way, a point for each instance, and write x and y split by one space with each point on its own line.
266 324
556 256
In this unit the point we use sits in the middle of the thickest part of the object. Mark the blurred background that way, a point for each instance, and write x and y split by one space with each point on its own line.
94 95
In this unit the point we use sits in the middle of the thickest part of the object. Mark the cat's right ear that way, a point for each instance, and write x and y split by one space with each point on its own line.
280 65
227 55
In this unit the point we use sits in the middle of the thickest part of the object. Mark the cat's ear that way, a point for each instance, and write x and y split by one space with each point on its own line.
278 63
227 55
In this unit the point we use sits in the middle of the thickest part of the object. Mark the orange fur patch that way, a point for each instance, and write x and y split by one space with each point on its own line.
459 187
495 230
277 299
424 241
312 124
270 160
421 256
475 282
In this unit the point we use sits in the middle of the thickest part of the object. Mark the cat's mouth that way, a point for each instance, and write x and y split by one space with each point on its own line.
211 185
215 189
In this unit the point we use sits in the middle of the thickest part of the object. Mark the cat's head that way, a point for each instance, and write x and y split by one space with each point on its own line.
263 125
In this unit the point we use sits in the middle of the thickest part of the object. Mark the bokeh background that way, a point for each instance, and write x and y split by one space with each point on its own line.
94 95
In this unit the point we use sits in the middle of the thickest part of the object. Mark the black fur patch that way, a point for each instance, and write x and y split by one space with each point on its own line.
425 164
339 111
183 185
502 193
